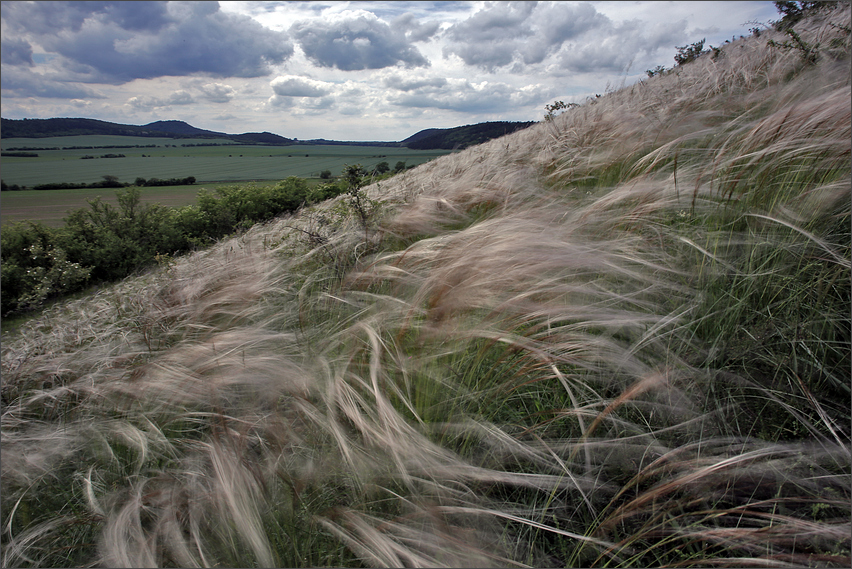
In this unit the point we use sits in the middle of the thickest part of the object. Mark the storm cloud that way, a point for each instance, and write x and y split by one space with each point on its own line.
121 41
354 42
22 82
502 33
16 52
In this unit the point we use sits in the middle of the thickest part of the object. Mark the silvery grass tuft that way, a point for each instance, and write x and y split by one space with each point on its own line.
617 338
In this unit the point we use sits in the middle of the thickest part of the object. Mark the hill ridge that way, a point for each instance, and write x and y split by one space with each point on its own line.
70 126
427 139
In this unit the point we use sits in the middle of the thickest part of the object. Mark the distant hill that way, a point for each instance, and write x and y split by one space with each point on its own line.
261 138
423 134
323 141
182 128
462 136
428 139
42 128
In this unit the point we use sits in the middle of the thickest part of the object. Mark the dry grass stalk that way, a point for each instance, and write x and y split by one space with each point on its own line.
511 372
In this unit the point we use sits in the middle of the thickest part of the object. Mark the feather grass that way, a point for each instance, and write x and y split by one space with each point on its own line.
617 338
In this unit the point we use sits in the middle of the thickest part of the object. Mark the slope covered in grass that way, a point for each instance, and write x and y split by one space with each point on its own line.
617 338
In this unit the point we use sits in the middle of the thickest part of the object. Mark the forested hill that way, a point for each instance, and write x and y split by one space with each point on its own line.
428 139
41 128
462 136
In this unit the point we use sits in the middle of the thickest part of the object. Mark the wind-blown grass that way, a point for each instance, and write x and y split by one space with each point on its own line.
617 338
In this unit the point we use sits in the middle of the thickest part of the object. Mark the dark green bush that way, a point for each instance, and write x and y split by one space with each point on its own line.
115 241
34 269
688 53
324 192
104 242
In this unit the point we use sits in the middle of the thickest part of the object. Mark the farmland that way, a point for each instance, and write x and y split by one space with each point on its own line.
169 158
50 207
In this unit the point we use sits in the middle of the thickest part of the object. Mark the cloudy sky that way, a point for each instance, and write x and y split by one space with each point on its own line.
339 70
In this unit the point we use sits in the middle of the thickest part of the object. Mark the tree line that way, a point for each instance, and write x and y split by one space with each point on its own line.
107 182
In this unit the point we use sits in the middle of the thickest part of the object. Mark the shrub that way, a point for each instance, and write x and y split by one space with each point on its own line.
557 106
107 243
114 242
688 53
34 269
808 52
324 192
794 11
364 208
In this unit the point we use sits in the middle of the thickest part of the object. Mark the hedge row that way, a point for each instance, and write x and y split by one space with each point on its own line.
107 182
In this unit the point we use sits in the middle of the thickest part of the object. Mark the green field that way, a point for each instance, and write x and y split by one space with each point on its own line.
227 162
210 165
50 207
103 140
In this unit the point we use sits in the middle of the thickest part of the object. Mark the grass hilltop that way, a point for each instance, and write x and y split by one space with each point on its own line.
619 337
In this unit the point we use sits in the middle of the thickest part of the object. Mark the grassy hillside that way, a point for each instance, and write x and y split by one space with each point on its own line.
620 337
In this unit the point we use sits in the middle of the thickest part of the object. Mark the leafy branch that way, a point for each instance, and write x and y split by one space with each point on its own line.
557 106
809 53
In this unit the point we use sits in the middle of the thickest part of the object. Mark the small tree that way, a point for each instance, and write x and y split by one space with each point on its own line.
658 70
795 11
365 208
381 168
110 182
688 53
325 174
400 166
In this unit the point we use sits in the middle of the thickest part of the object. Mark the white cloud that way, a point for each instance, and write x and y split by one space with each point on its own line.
419 82
300 94
460 95
631 41
180 97
218 92
295 86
